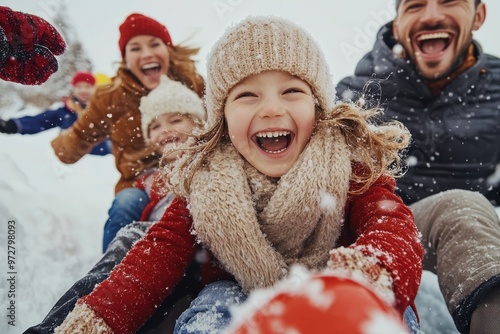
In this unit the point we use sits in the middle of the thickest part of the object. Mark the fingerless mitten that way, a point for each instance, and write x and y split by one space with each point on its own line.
353 263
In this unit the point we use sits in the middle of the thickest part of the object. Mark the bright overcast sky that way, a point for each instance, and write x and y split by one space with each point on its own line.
345 30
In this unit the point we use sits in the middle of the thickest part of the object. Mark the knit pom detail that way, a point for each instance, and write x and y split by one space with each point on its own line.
83 320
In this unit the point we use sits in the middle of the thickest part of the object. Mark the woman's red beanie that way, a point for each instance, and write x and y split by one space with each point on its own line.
82 76
137 24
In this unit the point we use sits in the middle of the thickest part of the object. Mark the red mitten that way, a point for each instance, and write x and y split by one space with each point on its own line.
31 43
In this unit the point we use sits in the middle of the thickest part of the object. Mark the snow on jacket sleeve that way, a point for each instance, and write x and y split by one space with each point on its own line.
382 227
147 274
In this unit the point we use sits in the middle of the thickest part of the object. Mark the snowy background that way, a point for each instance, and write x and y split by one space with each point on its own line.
59 210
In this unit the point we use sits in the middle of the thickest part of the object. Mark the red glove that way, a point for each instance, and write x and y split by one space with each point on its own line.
28 45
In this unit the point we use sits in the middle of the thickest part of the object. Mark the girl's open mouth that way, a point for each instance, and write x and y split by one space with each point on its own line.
274 142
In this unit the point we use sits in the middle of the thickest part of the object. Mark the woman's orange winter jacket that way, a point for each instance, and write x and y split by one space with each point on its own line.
113 112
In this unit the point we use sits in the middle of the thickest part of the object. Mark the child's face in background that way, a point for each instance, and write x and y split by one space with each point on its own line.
170 130
270 118
148 58
83 91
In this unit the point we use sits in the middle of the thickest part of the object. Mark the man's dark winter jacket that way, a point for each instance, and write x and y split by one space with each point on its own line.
456 135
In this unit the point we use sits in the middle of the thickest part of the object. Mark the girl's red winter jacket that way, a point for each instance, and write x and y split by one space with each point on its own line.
157 263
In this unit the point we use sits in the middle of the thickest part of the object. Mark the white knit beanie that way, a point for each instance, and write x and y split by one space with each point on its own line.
169 97
265 43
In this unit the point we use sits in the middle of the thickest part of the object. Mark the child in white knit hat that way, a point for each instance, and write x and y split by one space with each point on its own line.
169 114
283 175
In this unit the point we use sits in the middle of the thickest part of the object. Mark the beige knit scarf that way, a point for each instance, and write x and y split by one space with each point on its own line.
257 226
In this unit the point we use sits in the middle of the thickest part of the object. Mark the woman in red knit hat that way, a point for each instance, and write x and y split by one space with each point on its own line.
147 52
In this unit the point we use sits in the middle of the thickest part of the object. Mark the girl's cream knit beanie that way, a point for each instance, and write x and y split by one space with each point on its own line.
265 43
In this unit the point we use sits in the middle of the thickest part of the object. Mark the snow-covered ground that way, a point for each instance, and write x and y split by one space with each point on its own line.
53 216
59 212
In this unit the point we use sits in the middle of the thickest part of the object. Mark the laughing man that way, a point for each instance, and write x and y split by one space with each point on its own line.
426 71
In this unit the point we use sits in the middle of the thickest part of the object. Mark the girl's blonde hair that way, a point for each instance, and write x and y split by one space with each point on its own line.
375 145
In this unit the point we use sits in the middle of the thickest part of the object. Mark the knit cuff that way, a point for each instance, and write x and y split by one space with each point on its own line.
83 320
355 264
